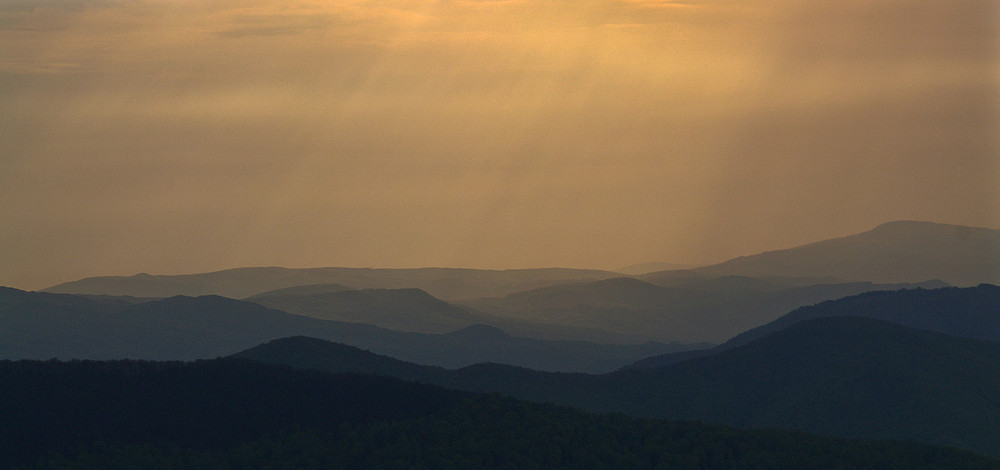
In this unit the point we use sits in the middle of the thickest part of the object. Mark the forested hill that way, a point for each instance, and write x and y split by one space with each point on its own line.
845 376
231 413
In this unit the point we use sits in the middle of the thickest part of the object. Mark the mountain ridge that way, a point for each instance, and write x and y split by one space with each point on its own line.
846 376
36 325
445 283
897 251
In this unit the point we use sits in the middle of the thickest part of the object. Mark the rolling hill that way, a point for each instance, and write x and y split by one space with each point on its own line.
845 376
396 309
37 325
230 413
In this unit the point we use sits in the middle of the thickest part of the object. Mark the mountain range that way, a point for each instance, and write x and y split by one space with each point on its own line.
40 325
696 310
415 310
444 283
894 252
227 413
845 376
860 337
696 305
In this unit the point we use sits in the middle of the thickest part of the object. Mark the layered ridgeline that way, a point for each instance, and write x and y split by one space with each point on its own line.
714 303
708 304
688 307
396 309
38 325
445 283
416 310
238 414
895 252
831 373
971 312
843 376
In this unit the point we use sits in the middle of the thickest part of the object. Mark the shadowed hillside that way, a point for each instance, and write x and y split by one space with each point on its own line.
845 376
395 309
239 414
37 325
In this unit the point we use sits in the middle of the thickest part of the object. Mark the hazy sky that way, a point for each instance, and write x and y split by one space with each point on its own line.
175 136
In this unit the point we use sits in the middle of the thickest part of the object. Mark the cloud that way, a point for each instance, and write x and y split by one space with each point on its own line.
498 133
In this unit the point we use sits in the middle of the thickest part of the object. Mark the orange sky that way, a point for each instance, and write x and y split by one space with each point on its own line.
174 136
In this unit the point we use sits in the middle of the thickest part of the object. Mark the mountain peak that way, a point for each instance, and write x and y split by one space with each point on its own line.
893 252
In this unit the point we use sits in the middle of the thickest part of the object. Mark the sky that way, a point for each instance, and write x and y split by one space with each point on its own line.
182 136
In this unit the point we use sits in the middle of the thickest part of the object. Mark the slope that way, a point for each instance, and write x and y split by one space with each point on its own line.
845 376
903 251
971 312
37 325
238 414
397 309
699 309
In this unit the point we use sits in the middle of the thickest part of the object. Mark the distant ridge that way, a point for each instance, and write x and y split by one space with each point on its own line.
643 268
902 251
308 289
239 283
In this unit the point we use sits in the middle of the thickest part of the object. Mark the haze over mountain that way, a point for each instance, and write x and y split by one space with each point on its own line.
37 325
415 310
489 134
695 308
894 252
845 376
644 268
452 183
395 309
445 283
903 251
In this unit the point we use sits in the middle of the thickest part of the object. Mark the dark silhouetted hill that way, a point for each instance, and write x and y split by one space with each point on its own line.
312 353
844 376
239 414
